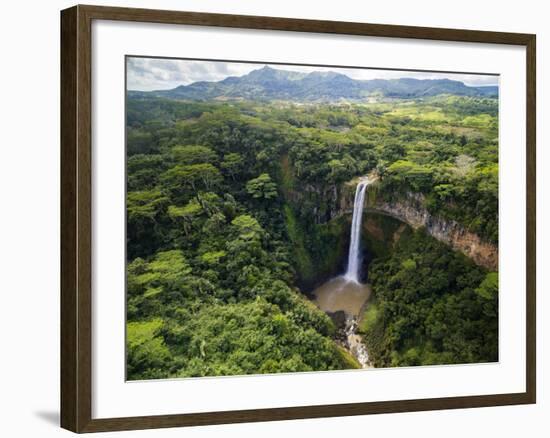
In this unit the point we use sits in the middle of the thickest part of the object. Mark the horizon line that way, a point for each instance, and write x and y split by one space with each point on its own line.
296 68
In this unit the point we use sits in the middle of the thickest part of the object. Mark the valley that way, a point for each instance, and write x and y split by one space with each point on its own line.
286 222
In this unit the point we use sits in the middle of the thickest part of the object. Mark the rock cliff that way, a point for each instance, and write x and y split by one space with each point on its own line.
411 209
334 201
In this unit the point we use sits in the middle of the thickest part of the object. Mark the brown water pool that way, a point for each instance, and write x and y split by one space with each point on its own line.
341 294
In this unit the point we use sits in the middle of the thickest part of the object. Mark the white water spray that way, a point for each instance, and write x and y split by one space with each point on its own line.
352 273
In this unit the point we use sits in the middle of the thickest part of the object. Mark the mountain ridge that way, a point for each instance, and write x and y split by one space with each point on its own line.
268 83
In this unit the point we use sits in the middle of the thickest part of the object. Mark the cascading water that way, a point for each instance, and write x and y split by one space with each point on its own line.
354 343
352 273
346 293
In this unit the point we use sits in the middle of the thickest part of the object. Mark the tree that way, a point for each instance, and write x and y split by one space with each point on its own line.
232 164
210 202
147 352
188 213
145 211
262 187
193 154
393 152
488 288
144 204
246 225
196 176
139 142
165 271
213 257
338 171
143 171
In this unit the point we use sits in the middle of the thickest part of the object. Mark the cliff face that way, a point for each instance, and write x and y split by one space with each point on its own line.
333 201
325 201
411 211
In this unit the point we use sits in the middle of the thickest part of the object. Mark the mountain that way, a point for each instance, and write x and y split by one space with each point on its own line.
273 84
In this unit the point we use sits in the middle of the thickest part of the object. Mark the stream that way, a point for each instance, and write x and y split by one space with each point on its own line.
341 295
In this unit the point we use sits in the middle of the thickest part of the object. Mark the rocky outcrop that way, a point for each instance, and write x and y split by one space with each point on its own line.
332 201
324 201
411 210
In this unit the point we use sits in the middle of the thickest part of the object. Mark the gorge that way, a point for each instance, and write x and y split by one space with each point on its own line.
408 208
347 297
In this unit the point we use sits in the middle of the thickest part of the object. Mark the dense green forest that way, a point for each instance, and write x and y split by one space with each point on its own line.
432 306
230 226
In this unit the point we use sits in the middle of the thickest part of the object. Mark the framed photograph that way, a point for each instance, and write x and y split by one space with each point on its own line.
269 218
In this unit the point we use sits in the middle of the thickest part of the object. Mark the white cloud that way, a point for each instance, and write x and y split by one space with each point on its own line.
156 74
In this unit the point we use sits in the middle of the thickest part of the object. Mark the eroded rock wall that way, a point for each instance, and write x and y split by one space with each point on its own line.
411 210
333 201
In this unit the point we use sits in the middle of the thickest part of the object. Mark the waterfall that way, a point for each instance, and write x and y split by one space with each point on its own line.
352 273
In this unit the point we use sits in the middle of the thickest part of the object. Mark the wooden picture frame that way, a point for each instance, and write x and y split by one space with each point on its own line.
76 218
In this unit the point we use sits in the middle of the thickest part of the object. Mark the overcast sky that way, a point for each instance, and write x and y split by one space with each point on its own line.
158 74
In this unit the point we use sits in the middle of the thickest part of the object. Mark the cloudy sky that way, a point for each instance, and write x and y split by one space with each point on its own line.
158 74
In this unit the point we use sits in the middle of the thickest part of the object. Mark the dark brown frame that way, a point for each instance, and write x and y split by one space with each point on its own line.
76 173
